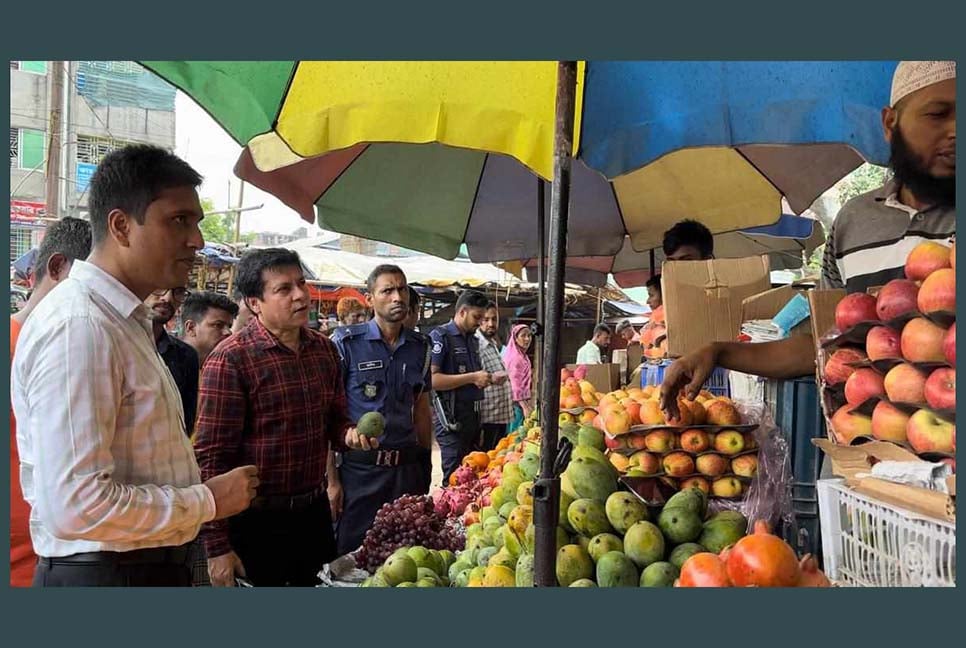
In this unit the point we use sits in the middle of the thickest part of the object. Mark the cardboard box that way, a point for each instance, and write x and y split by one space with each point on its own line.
822 305
702 299
635 355
764 306
849 462
604 377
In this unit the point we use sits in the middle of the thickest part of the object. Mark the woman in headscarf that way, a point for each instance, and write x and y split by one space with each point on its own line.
520 371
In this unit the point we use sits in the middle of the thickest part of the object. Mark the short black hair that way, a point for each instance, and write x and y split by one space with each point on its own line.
492 304
601 328
689 232
414 299
130 179
382 269
471 299
654 282
197 305
624 324
248 273
68 236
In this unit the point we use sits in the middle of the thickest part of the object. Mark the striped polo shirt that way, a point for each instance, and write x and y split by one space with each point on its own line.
874 233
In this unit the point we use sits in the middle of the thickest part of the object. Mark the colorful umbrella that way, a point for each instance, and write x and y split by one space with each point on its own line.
429 155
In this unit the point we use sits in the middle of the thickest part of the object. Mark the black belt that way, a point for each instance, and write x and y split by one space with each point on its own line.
153 556
287 502
386 457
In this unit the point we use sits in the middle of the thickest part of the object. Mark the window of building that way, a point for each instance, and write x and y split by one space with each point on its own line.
36 67
91 149
26 148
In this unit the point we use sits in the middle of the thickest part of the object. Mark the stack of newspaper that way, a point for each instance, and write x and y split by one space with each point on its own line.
760 331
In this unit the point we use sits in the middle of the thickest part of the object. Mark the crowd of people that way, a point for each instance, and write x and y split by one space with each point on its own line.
232 454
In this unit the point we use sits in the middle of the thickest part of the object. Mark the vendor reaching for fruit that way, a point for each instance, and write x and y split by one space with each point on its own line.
873 233
385 368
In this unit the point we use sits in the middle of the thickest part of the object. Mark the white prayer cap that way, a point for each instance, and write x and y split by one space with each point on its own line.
914 75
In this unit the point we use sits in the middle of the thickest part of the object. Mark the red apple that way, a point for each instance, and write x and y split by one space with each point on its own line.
926 258
711 465
922 341
863 385
938 292
889 423
696 482
940 388
949 345
837 369
694 440
678 464
659 441
905 384
896 298
646 462
636 441
854 308
882 342
745 465
729 442
848 426
929 433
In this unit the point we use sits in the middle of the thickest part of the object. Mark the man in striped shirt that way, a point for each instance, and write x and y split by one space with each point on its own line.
874 232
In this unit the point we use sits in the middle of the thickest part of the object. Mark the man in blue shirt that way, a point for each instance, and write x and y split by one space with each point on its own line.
459 380
386 369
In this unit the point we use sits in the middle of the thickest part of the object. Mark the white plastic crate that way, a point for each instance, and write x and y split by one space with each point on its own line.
868 543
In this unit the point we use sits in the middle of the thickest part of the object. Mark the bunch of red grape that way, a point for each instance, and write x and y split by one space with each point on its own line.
409 521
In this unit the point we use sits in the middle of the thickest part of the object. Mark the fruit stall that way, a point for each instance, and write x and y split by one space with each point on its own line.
887 374
706 499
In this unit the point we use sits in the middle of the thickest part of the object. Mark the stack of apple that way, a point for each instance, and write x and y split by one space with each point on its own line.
901 385
713 461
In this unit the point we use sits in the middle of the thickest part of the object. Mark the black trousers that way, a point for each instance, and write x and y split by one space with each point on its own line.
453 446
492 432
106 571
366 488
284 547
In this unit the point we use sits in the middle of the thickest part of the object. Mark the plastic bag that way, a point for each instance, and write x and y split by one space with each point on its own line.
769 496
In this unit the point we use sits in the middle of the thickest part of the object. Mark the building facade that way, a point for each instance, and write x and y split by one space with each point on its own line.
107 105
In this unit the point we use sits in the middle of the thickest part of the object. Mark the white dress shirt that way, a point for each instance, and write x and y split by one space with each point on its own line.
104 459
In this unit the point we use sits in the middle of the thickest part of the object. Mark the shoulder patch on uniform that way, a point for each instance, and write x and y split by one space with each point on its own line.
437 347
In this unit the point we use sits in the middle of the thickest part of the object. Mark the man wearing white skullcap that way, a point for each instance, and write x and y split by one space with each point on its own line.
873 233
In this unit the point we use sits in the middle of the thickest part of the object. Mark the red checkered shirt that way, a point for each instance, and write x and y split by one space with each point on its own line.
262 403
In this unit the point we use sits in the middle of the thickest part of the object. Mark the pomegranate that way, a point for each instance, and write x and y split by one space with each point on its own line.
703 570
762 560
812 576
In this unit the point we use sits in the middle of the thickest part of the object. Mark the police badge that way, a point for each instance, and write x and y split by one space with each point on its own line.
370 390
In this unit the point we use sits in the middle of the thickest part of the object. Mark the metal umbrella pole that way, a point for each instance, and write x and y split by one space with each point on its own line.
541 286
546 491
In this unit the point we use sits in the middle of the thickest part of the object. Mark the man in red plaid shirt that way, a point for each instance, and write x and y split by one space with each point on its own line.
272 395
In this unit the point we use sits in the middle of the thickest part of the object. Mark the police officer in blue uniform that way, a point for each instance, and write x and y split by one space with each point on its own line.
386 369
458 381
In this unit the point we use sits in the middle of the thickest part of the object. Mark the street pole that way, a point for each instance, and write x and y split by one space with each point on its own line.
52 180
546 491
238 213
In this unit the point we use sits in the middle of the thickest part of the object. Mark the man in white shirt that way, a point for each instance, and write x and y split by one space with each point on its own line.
591 352
114 488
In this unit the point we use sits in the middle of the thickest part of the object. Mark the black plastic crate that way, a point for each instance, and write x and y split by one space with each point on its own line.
795 406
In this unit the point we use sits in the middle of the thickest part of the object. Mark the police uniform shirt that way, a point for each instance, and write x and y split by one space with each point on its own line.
381 379
456 353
